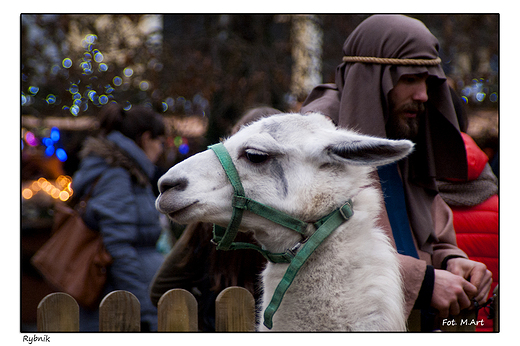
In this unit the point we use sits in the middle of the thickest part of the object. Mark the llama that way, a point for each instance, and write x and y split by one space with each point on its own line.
305 167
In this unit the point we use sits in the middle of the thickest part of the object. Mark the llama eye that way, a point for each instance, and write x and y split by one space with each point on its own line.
255 156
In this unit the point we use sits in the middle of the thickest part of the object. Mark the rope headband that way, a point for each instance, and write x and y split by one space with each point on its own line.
392 61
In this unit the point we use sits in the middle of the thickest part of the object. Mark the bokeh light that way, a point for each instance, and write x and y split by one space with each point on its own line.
64 195
74 89
61 154
117 81
47 141
31 139
103 99
60 189
128 72
55 69
90 39
74 110
33 90
50 99
49 151
184 149
177 141
55 134
170 102
27 193
98 57
144 85
67 63
92 95
90 92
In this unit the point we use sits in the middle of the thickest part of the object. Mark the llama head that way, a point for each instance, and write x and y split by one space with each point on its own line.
303 166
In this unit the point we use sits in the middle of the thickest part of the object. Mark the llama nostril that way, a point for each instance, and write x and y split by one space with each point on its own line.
179 184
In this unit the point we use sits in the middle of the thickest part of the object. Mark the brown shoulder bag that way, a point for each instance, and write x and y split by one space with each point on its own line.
74 260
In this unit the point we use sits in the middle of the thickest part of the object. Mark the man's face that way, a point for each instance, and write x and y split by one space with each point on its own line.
406 105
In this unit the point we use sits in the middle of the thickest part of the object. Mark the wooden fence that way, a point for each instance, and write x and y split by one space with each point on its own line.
119 311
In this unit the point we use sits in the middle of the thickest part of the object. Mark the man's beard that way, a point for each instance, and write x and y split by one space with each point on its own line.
401 127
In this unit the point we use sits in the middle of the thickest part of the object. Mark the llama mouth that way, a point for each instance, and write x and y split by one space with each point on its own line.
182 210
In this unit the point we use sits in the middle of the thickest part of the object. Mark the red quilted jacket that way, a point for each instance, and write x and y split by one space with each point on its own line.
477 226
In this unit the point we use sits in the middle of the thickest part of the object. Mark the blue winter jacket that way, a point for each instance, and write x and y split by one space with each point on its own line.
122 207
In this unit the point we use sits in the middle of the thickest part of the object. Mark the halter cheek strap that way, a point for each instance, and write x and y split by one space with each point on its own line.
224 238
295 256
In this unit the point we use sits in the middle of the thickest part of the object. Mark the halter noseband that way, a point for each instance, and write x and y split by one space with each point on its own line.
295 256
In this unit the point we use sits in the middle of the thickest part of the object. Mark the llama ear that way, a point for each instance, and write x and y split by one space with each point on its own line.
371 151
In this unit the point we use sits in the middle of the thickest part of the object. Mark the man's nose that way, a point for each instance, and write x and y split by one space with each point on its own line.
421 93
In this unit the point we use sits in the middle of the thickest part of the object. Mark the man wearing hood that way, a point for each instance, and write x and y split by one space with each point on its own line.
391 85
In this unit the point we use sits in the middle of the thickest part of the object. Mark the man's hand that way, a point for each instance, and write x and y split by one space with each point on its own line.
451 293
476 273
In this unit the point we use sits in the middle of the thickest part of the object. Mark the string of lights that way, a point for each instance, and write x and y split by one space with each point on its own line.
60 189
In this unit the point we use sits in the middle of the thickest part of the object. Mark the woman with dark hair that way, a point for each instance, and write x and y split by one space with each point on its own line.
118 165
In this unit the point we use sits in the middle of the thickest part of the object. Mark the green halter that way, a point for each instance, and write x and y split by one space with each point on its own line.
297 255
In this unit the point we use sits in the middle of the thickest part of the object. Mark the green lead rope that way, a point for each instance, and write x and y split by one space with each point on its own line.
297 256
333 222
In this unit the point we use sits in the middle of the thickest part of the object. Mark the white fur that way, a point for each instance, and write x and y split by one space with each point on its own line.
351 282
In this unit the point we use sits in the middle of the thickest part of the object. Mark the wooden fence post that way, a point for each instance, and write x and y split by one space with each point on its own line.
177 312
235 310
58 312
120 311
